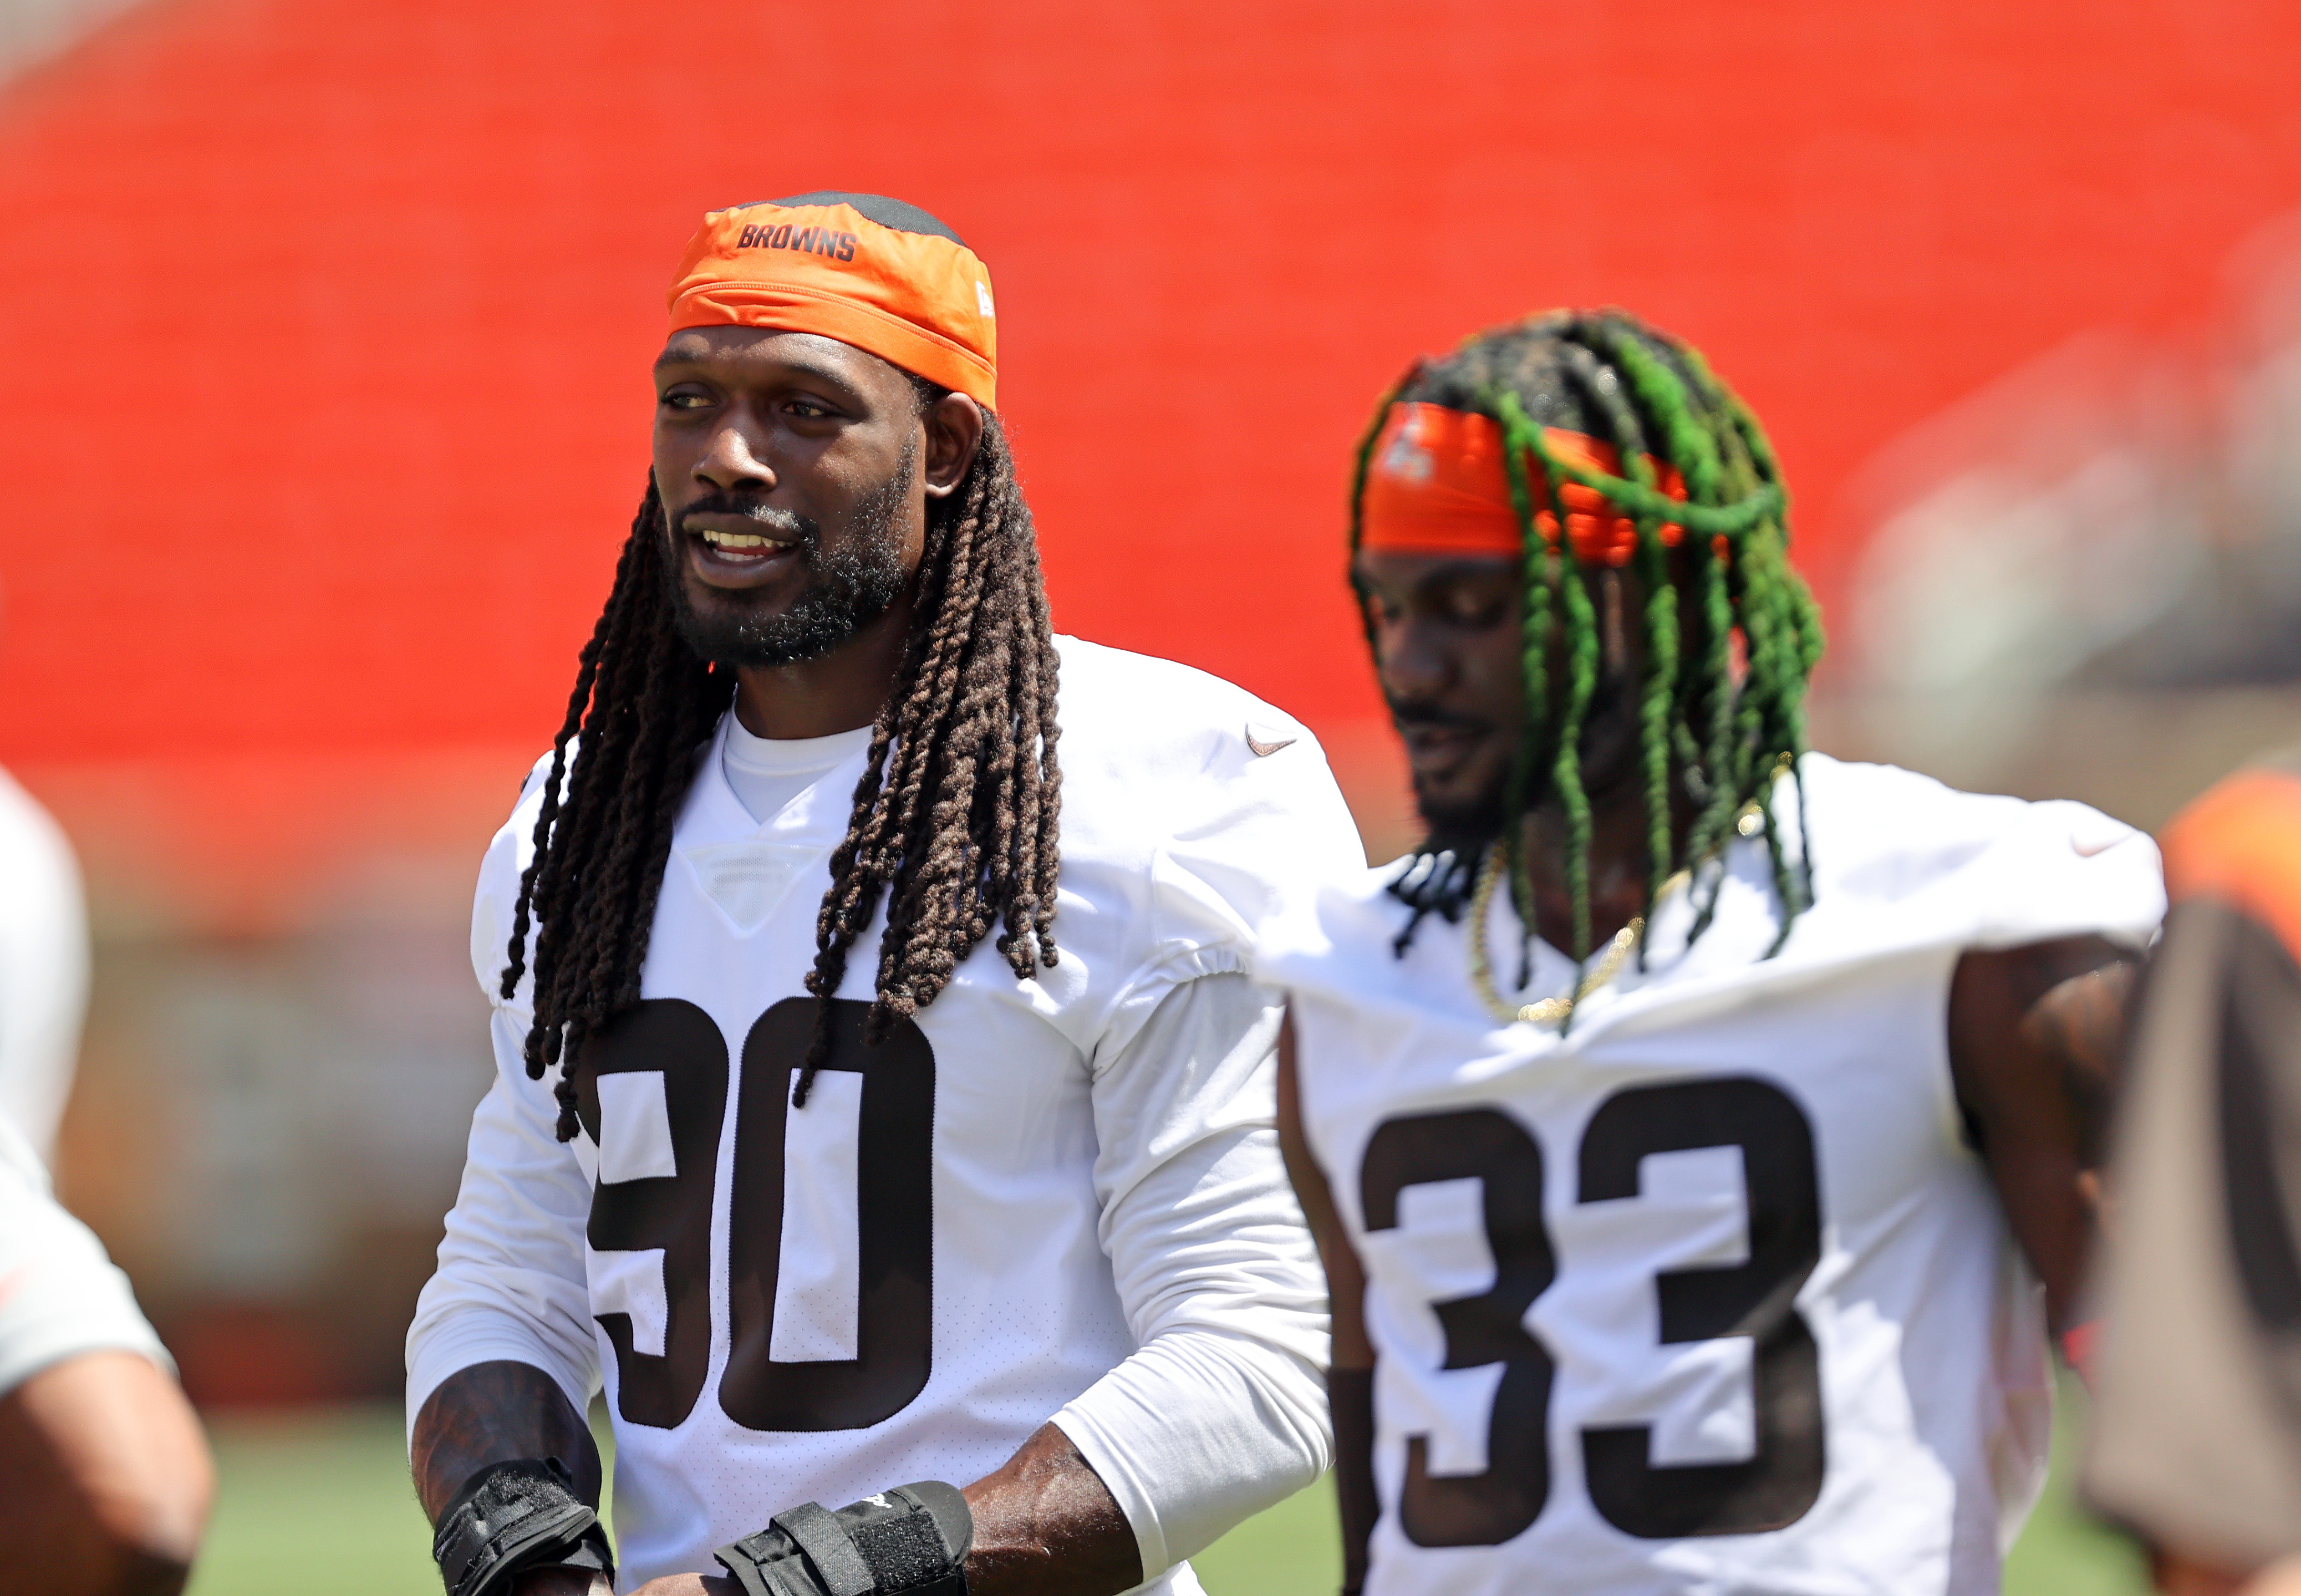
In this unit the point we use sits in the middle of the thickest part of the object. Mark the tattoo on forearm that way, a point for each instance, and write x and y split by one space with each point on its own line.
492 1412
1046 1524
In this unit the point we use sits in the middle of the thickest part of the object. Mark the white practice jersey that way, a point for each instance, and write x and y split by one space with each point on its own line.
1708 1294
43 967
59 1296
966 1231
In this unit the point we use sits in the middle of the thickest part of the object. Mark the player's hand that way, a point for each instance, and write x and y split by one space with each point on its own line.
690 1584
562 1582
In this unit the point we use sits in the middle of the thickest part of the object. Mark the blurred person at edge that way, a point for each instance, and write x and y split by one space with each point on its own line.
2196 1431
1762 1079
104 1477
43 967
840 1148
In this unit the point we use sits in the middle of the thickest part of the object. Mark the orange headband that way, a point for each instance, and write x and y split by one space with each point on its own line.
1436 484
919 299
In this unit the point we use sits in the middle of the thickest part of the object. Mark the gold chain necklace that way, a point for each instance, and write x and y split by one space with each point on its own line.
1546 1011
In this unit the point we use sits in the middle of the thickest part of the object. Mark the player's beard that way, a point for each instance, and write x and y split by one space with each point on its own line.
847 588
1460 825
1608 764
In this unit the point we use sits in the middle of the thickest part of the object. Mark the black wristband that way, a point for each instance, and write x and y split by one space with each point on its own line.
512 1517
912 1541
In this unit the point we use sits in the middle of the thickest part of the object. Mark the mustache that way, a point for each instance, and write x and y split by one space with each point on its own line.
787 524
1414 715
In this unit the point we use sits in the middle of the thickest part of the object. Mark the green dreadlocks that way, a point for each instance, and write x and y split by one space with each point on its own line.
1724 730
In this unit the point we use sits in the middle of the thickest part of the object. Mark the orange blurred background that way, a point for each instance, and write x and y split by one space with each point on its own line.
324 404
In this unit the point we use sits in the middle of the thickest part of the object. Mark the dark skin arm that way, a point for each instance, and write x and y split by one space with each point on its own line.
1045 1524
495 1413
1350 1382
1345 1276
2034 1036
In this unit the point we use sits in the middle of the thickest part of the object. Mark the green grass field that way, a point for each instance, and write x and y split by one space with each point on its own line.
329 1490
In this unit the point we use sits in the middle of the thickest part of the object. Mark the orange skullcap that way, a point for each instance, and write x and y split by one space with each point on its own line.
2241 843
861 268
1436 484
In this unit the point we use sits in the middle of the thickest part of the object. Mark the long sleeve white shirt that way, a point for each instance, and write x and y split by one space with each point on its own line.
43 967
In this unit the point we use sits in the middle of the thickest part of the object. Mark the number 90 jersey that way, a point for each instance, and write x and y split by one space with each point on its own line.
1708 1294
968 1229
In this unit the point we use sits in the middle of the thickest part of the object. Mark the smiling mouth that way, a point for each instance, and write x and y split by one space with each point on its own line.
1426 736
744 546
1440 753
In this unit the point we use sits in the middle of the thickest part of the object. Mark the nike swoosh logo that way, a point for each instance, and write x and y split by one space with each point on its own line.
1264 750
2097 838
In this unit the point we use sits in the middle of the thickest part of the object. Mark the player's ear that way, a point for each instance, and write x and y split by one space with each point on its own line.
954 431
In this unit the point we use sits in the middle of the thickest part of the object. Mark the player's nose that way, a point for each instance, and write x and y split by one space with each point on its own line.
1414 664
730 462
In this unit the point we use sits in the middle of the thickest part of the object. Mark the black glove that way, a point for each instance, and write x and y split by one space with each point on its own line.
913 1540
512 1517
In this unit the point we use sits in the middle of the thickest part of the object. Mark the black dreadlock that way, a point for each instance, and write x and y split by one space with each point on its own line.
1724 729
955 819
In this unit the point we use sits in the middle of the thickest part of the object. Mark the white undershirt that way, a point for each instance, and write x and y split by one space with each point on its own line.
767 772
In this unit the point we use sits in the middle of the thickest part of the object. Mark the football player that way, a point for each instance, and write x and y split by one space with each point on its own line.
105 1475
883 1111
1668 1118
2196 1431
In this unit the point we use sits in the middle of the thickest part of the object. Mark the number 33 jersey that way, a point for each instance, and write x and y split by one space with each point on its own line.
1710 1293
967 1228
